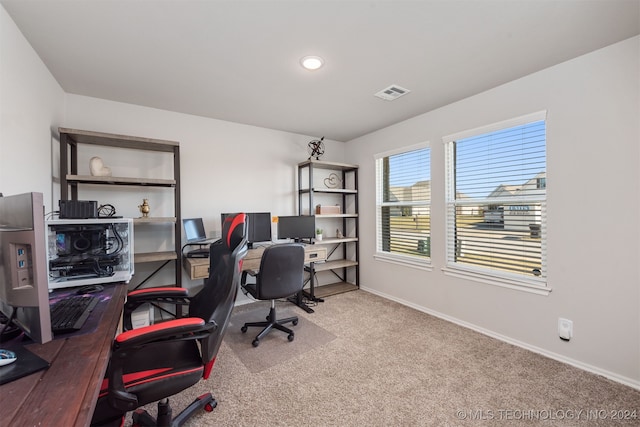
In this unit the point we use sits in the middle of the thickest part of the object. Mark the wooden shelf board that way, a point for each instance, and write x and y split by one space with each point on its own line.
334 265
154 220
121 141
334 241
89 179
347 215
334 190
154 256
333 289
319 164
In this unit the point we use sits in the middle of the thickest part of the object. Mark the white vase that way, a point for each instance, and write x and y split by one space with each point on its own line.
318 237
98 168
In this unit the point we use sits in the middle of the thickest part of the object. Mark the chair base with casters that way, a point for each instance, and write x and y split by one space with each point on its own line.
272 322
141 417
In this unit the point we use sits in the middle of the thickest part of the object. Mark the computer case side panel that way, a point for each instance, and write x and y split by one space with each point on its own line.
89 251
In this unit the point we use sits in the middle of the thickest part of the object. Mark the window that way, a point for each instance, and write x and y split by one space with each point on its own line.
496 197
403 181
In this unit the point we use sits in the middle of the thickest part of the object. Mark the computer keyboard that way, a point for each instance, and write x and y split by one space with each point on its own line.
70 313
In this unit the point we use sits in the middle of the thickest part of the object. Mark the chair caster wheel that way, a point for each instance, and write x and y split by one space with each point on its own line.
295 322
290 337
243 329
210 406
255 342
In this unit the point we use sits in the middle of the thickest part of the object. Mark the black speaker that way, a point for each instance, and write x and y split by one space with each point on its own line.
78 209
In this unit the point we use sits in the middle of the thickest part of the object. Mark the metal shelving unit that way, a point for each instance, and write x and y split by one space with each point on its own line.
342 252
70 139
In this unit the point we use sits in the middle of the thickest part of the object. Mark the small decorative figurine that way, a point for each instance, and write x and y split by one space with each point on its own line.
339 233
144 208
333 181
316 148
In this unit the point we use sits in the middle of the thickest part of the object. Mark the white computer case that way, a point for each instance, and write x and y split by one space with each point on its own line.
89 251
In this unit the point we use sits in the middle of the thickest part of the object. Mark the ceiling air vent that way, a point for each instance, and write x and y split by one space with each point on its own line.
392 92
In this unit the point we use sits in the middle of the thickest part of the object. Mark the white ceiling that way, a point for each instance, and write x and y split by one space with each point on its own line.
239 60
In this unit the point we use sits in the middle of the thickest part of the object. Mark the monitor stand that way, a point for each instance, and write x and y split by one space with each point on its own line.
198 253
303 241
9 331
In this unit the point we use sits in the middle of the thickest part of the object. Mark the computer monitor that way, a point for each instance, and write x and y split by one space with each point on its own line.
194 230
298 227
24 293
258 227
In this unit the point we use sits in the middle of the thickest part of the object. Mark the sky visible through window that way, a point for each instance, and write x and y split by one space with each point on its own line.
408 168
507 157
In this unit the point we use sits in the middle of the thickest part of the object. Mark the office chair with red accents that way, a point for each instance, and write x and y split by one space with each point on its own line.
154 362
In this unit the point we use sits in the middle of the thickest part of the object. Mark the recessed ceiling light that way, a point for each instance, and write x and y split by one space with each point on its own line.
312 62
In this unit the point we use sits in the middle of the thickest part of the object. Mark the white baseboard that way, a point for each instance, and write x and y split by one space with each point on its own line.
576 363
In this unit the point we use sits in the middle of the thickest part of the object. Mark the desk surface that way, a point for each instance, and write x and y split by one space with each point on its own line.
66 393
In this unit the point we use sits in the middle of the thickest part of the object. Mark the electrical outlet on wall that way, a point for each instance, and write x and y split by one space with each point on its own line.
565 329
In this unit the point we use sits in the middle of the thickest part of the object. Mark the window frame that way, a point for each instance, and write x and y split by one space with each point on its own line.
415 261
532 284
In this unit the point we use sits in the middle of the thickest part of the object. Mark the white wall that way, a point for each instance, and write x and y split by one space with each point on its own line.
593 161
225 166
31 101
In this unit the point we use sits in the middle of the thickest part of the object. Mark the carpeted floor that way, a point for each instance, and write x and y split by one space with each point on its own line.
384 364
270 349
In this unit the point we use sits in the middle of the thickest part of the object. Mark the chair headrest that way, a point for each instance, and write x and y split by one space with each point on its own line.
234 230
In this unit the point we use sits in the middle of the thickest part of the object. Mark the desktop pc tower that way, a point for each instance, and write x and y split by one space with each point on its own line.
89 251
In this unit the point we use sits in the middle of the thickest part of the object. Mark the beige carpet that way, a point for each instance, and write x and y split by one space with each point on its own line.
270 352
390 365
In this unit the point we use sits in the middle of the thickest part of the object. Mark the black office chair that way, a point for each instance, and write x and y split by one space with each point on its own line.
151 363
281 275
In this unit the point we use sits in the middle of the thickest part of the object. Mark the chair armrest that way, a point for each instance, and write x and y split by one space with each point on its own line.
152 293
167 295
161 331
245 273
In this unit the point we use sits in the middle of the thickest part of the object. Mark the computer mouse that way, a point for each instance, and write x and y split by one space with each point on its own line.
7 356
89 289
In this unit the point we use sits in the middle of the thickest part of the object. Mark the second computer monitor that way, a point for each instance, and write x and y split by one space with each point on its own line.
300 227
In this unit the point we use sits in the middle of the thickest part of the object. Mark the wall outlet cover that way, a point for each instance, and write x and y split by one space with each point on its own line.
565 329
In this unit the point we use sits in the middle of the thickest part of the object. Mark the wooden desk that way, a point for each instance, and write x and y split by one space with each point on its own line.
66 393
199 267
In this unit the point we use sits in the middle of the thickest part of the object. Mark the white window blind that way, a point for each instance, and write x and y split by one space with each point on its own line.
496 197
403 181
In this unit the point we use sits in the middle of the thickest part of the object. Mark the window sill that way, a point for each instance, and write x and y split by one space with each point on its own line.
413 262
530 286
